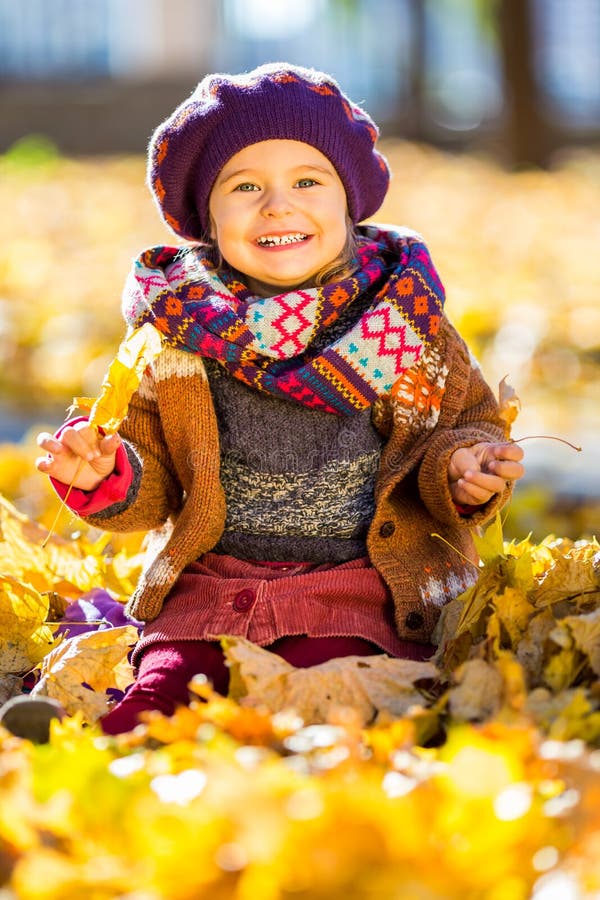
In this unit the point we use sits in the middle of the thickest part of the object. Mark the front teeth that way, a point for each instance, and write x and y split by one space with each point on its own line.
274 240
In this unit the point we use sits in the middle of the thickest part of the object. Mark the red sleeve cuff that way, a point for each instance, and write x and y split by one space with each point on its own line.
464 509
113 489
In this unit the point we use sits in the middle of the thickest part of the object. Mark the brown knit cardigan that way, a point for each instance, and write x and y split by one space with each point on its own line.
440 404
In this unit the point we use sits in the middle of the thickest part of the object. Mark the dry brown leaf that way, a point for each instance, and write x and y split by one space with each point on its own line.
371 685
97 659
451 650
10 686
531 649
510 404
254 672
446 626
478 694
586 634
388 684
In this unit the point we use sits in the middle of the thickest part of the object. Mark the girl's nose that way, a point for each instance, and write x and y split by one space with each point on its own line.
276 203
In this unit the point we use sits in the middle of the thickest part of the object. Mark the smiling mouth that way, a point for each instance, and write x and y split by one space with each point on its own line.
280 240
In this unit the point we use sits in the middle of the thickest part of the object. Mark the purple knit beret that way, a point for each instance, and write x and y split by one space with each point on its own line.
276 101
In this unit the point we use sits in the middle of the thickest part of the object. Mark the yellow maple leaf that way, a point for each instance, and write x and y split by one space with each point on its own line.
577 718
122 572
123 378
25 639
562 669
490 544
514 611
46 562
571 575
476 598
79 671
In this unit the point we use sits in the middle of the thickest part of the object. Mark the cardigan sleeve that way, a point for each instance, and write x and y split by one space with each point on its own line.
467 416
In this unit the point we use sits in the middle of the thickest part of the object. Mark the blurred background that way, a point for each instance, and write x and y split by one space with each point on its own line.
490 116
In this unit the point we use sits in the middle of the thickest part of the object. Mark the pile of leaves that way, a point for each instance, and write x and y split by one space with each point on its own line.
472 775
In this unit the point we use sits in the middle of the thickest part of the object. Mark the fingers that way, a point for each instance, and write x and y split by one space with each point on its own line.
79 456
508 471
462 460
507 450
502 459
478 487
478 472
109 444
49 443
54 450
505 462
84 443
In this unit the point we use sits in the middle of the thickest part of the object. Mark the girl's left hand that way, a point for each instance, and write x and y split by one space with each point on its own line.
477 473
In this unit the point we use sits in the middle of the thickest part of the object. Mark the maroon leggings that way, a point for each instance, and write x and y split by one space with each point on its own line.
166 669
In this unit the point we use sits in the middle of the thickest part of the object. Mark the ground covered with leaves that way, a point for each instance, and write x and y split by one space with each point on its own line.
474 775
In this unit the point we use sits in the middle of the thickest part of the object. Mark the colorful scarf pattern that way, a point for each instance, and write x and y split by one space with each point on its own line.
267 343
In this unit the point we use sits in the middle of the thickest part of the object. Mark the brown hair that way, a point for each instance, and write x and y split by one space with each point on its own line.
342 266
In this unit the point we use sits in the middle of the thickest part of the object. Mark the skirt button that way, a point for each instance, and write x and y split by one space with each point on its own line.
243 601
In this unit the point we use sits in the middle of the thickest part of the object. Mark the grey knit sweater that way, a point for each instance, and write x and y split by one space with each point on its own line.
299 483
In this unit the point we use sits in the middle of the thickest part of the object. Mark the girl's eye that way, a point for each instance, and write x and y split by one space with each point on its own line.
305 182
246 186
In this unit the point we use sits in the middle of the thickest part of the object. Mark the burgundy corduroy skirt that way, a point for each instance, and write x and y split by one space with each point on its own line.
306 613
263 602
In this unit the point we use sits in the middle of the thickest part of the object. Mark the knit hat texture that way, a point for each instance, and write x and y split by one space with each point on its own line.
226 113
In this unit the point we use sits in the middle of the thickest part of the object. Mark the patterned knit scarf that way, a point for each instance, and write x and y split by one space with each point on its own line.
276 344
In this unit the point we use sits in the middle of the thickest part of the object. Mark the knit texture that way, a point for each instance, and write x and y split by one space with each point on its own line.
270 343
440 404
299 483
276 101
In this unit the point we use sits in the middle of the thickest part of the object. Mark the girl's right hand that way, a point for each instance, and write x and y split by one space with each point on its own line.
79 456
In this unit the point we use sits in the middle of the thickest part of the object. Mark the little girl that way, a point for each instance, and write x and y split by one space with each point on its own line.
313 419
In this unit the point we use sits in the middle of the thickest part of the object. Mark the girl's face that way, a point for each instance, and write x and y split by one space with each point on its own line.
278 214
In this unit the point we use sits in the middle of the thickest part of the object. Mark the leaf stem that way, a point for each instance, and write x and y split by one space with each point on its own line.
63 503
456 550
547 437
